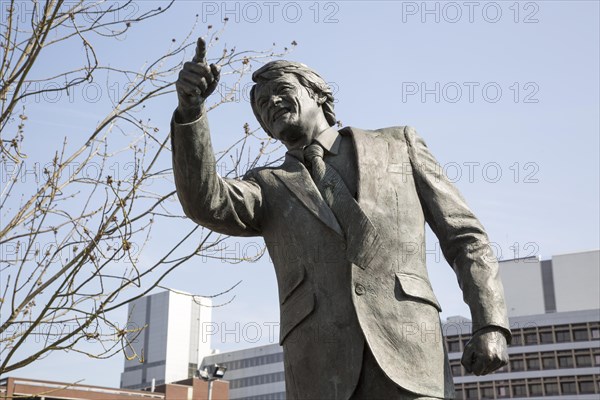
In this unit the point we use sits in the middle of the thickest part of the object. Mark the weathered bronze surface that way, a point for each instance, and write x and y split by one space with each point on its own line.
344 219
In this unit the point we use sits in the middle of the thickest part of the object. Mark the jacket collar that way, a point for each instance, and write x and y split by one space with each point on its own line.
294 175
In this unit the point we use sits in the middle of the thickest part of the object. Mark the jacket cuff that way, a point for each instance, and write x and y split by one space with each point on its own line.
176 119
495 328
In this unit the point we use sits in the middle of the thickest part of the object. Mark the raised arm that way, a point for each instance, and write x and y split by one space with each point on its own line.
466 248
228 206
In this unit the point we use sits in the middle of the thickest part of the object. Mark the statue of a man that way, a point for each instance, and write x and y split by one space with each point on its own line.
343 219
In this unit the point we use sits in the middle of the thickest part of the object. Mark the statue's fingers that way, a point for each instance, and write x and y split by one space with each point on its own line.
202 85
195 79
467 358
186 88
480 363
192 84
493 365
200 69
189 77
212 85
216 71
200 56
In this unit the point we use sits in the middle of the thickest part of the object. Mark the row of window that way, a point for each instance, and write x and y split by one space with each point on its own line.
254 361
537 387
580 358
270 396
456 343
256 380
534 335
556 334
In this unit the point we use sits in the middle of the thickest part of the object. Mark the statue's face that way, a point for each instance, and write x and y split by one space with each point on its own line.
288 111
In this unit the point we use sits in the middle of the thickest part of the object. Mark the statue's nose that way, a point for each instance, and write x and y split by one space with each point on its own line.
275 100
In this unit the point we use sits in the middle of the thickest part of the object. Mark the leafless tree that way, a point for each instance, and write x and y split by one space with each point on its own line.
71 240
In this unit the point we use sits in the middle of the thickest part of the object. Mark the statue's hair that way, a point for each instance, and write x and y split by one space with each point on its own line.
307 77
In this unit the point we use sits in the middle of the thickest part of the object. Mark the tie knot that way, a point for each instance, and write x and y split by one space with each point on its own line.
313 151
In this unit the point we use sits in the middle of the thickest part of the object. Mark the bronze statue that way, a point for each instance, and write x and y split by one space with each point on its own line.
343 219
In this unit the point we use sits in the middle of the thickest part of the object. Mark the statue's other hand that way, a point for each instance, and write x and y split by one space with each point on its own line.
197 80
485 352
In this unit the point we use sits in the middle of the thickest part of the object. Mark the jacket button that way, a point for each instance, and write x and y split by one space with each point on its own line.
359 289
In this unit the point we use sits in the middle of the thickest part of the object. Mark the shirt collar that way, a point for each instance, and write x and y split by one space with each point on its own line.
330 139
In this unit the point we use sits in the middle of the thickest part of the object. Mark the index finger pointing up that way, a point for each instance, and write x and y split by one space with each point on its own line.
200 56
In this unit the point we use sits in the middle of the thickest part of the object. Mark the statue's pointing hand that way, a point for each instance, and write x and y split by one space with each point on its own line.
197 80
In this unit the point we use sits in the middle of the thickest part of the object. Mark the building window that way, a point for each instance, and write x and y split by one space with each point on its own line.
519 391
549 362
456 370
546 337
535 389
531 338
472 394
580 335
551 388
533 364
595 333
563 336
587 387
517 338
487 392
453 346
583 360
568 388
517 365
565 361
256 380
502 392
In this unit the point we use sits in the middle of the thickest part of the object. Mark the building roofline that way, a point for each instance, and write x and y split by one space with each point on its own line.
537 257
77 386
576 252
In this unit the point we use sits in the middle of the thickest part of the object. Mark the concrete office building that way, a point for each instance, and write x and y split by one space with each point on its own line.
552 355
554 309
171 345
255 373
566 282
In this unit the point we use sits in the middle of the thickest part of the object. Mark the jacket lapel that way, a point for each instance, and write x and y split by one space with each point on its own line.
371 160
298 180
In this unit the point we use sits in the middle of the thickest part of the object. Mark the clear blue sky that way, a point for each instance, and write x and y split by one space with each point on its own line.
505 94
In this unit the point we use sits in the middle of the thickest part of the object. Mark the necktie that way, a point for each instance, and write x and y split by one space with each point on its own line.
362 239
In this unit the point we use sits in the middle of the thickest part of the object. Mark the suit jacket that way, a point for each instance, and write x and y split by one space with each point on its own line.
330 307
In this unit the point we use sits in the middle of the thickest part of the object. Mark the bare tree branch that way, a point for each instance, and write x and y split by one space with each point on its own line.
71 240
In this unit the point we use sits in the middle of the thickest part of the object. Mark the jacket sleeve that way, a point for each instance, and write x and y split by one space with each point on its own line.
464 243
228 206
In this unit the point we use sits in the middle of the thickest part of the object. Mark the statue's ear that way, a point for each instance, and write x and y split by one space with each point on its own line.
321 100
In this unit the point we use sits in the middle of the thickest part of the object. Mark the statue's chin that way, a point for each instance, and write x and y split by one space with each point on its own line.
292 136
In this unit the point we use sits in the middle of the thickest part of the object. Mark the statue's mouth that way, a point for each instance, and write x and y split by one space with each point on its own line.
279 113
